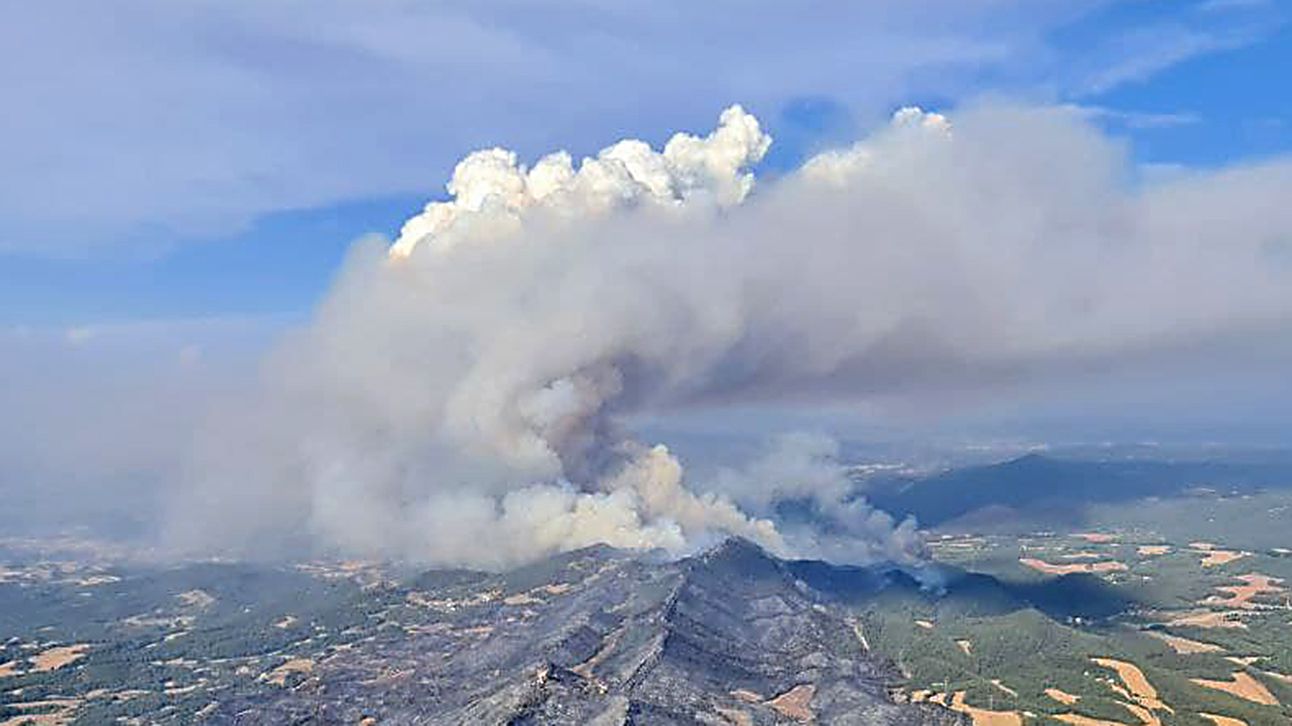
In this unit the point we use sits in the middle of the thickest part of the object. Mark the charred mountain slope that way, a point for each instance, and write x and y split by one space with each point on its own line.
600 637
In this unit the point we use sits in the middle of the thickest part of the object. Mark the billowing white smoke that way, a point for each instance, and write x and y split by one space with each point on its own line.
458 398
490 190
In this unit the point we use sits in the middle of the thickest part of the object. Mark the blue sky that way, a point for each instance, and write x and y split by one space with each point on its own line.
218 161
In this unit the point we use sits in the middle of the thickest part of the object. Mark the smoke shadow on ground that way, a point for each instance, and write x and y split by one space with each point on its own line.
1062 598
1051 490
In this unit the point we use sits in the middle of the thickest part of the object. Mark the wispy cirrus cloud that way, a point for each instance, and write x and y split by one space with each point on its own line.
1142 53
1136 119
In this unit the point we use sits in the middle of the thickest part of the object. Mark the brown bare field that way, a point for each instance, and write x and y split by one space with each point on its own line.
1138 688
55 658
1063 697
1240 596
795 703
965 646
927 625
982 716
1223 720
9 668
747 696
287 622
1210 619
1087 567
1279 677
1243 660
1243 686
1153 550
1184 645
1096 537
278 676
979 716
1004 688
1216 558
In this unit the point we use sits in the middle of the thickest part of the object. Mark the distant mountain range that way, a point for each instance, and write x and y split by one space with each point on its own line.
1058 486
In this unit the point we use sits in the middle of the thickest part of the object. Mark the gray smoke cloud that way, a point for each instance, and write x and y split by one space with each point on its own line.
460 396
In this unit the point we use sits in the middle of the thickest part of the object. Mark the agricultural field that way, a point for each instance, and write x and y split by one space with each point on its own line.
1150 617
96 640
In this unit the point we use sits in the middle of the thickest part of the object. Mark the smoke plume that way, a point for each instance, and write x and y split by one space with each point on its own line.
460 396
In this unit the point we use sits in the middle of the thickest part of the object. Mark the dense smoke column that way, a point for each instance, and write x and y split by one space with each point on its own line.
457 398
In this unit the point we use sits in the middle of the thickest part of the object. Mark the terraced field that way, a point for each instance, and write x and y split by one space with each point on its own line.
1166 632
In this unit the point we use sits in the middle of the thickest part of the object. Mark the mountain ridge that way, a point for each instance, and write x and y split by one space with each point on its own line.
730 635
1058 487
